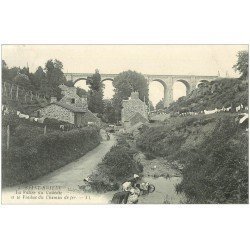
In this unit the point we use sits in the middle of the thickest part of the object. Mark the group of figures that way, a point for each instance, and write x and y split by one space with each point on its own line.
131 191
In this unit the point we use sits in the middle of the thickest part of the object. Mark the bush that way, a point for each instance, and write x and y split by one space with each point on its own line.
215 154
119 163
116 167
39 154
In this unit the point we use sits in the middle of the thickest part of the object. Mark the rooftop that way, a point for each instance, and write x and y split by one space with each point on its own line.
72 108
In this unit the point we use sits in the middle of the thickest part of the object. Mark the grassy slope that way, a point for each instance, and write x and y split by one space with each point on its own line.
216 94
214 150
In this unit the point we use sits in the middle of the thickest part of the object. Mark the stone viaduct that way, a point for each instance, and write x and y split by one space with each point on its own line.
167 81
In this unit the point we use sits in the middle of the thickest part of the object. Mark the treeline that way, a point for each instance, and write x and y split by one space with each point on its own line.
214 151
45 80
32 154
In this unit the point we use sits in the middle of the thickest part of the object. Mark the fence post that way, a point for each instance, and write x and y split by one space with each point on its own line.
11 91
17 93
45 128
4 89
8 137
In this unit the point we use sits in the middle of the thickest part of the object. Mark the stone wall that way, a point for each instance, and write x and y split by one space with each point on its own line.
133 106
57 112
69 93
84 118
90 117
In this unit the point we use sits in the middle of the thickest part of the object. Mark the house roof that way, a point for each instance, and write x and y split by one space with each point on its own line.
72 108
137 114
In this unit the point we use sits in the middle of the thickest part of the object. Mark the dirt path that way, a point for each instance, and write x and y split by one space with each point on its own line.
68 178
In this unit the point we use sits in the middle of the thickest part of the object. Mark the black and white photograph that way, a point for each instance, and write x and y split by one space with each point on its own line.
147 129
124 124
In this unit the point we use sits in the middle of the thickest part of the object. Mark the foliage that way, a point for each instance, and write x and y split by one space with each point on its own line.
216 94
81 92
117 166
95 82
109 115
40 81
95 95
125 83
242 64
45 81
55 76
214 151
160 104
33 154
151 106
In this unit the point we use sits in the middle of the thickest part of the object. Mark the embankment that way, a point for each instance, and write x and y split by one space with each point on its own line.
213 150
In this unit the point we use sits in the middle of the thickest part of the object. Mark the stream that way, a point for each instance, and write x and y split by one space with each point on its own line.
164 191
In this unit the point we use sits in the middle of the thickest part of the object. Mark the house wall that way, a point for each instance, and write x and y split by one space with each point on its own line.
137 118
84 118
69 93
57 112
131 107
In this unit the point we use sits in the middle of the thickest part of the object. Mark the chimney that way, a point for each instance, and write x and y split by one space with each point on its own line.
53 99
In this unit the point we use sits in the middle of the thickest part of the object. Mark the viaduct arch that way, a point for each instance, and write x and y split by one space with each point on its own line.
190 81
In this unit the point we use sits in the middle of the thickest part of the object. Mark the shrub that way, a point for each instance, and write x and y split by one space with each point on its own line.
39 154
215 154
116 167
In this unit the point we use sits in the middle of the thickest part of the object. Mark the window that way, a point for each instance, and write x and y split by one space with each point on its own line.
73 100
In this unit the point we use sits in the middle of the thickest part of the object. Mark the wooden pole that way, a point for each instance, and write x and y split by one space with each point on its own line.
11 92
17 93
45 128
4 89
8 137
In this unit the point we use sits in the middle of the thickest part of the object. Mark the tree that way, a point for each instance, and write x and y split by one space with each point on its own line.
69 83
55 76
160 105
242 64
95 98
5 71
95 81
151 106
22 80
81 92
95 101
125 83
39 80
109 115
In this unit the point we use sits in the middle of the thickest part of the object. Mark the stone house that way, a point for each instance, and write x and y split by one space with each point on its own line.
133 111
71 108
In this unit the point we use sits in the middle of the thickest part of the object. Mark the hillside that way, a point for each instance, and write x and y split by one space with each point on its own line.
213 150
216 94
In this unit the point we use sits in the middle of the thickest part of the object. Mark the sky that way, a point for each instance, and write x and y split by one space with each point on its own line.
147 59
